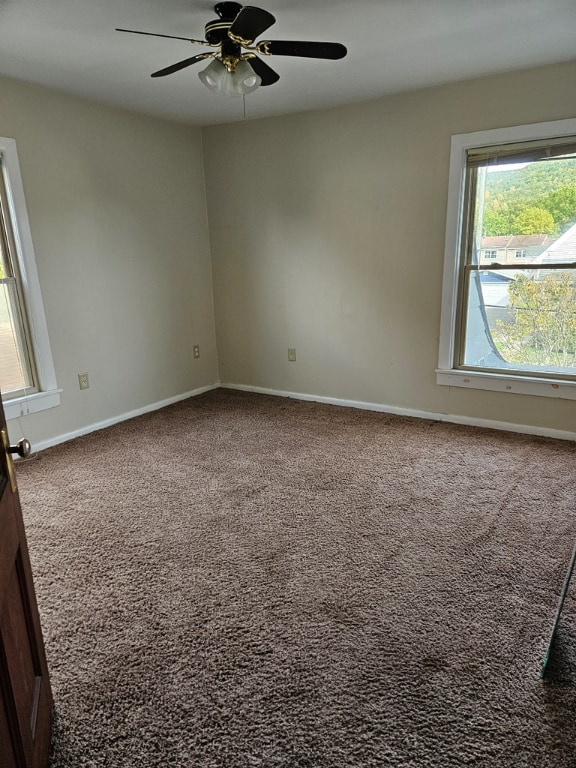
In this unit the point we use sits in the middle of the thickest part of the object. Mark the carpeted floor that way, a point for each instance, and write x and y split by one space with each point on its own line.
241 581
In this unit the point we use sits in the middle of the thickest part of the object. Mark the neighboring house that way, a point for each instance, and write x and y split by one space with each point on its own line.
510 249
494 284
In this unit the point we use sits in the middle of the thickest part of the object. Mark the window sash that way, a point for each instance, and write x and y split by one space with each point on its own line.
471 251
521 152
513 369
15 358
516 266
15 309
447 374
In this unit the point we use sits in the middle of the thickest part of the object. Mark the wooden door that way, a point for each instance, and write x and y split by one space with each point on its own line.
25 696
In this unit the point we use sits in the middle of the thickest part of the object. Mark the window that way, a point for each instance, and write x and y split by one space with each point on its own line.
17 373
27 378
491 255
512 328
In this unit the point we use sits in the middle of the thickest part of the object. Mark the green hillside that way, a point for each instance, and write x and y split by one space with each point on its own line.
537 199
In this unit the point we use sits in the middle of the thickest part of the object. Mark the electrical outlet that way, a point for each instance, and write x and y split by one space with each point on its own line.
83 381
292 354
196 351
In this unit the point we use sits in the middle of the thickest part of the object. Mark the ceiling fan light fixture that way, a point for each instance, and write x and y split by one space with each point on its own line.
219 79
231 71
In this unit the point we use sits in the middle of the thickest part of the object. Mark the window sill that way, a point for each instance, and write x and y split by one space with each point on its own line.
496 382
39 401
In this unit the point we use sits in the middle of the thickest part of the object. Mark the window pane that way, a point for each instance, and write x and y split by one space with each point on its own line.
26 365
522 319
14 368
523 208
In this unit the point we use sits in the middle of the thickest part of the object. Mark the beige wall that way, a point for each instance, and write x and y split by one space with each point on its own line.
327 234
118 218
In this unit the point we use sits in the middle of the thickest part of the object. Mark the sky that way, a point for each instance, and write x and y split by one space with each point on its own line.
507 167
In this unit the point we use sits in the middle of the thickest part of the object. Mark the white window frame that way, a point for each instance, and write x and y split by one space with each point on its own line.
447 373
48 394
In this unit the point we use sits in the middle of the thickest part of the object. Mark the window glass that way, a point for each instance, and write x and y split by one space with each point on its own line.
16 367
27 375
520 318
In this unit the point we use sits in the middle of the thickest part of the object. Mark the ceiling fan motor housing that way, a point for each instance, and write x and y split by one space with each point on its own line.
216 31
228 11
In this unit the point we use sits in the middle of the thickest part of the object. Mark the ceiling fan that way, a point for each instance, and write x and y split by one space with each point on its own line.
235 67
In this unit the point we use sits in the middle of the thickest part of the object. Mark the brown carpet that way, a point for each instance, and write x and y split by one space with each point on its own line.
242 581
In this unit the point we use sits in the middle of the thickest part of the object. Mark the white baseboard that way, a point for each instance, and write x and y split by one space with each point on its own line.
451 418
40 446
379 407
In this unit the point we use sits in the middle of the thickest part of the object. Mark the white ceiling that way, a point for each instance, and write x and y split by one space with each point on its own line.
393 45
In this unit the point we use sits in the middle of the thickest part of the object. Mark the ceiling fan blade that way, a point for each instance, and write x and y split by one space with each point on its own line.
264 72
172 37
302 48
250 23
181 65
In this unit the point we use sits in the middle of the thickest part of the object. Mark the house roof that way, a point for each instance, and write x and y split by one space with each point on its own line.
517 241
490 276
563 249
